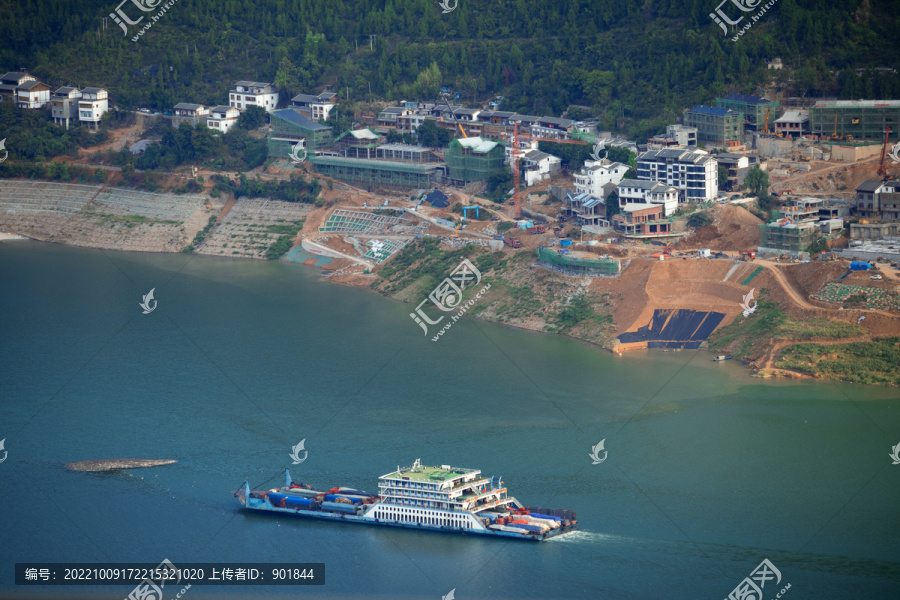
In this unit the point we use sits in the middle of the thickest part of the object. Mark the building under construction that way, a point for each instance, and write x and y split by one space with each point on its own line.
473 159
861 119
373 175
289 128
785 236
579 264
752 107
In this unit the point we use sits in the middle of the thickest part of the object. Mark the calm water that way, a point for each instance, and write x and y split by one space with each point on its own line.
708 473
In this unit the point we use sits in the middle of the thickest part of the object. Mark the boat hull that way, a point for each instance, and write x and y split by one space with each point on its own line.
263 506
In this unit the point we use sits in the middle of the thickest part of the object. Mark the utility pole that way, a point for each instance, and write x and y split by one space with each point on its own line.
371 41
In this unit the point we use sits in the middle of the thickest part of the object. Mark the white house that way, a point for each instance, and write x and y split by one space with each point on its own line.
10 82
253 93
595 174
693 173
222 118
793 123
525 146
64 106
92 105
316 107
192 114
637 191
538 166
32 94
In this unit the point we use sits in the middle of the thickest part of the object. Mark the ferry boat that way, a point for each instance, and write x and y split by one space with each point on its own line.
445 498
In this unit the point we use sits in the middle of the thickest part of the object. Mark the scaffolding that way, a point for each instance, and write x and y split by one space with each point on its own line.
580 267
752 107
717 125
358 222
380 250
786 238
474 159
373 174
861 119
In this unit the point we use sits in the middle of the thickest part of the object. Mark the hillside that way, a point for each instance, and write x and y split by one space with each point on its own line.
636 63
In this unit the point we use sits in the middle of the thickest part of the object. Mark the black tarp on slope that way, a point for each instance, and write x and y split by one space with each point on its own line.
675 328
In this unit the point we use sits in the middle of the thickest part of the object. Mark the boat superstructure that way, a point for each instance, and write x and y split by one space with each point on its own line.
444 498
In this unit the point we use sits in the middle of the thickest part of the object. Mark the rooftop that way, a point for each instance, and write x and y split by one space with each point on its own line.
711 110
858 104
188 106
635 206
869 186
792 116
746 98
477 144
251 84
430 474
292 116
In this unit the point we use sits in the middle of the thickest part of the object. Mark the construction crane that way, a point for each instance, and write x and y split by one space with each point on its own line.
766 122
881 170
461 130
517 154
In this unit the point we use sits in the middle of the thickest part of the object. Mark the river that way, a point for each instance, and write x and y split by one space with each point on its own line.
708 471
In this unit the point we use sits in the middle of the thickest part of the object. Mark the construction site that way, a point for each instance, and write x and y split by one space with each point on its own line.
547 271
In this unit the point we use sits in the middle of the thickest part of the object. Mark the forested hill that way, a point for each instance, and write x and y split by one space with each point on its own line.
645 60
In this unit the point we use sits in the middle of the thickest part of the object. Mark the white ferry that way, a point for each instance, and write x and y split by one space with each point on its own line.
444 498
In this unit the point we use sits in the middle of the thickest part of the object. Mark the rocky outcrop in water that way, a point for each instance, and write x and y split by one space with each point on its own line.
116 463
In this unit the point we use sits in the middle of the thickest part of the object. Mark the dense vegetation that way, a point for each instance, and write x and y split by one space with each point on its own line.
234 151
30 135
875 362
747 336
296 189
633 64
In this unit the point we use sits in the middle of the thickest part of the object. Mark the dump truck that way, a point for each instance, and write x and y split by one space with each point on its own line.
536 229
512 242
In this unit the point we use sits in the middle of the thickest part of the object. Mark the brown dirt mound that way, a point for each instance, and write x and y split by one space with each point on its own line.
733 228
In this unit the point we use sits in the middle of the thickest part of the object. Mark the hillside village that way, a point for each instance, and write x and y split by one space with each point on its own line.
793 197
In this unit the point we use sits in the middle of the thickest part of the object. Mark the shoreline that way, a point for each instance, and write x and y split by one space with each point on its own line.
757 372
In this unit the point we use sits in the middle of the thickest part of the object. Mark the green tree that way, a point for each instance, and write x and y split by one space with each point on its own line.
723 177
612 205
253 117
699 219
757 181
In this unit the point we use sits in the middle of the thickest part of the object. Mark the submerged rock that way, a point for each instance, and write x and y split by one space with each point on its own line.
116 463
